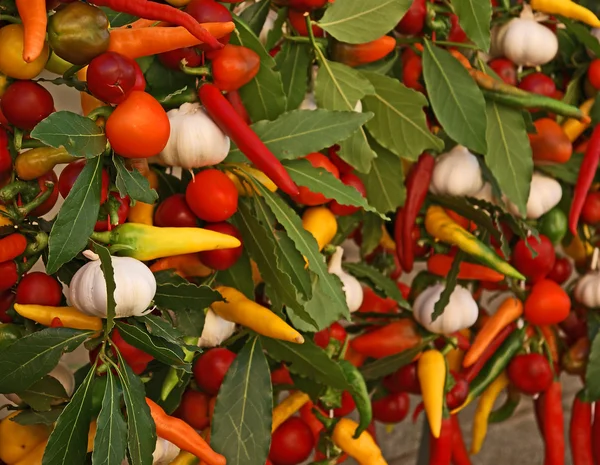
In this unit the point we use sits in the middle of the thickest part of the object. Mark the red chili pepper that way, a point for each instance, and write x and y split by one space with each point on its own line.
311 420
234 66
552 422
417 185
12 246
361 54
8 275
440 265
471 372
234 98
160 12
225 116
585 178
596 433
387 340
56 323
440 452
580 432
460 455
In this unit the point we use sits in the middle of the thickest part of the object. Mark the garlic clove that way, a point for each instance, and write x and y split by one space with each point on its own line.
216 330
350 285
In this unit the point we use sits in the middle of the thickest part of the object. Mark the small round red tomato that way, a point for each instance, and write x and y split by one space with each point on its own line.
404 380
538 83
222 259
122 209
459 392
234 66
298 22
70 174
173 59
306 197
38 288
193 409
6 300
530 373
594 74
111 76
561 271
341 165
534 268
335 331
211 367
590 214
139 126
212 196
173 212
547 304
575 325
209 11
281 375
505 69
392 408
414 19
26 103
291 443
351 180
346 407
137 359
6 162
48 205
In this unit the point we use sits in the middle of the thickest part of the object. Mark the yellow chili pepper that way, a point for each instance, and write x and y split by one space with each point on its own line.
386 240
37 162
243 184
239 309
3 84
288 407
454 359
143 213
577 249
4 220
69 317
256 277
364 449
431 371
185 458
439 224
574 128
484 408
568 9
186 266
321 223
18 441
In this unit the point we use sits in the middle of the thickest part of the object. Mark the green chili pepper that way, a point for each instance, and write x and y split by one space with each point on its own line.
508 408
175 375
360 394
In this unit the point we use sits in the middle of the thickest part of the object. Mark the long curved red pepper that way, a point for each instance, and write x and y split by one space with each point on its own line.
460 454
580 433
471 372
440 452
552 424
160 12
234 98
232 124
585 178
596 433
440 265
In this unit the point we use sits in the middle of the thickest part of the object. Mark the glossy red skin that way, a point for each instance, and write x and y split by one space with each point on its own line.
404 380
140 80
303 5
5 158
341 165
414 19
211 367
335 331
224 258
456 33
234 66
111 76
193 409
38 288
530 373
372 303
281 375
6 300
392 408
137 359
26 103
122 213
561 271
70 174
412 70
538 83
306 197
298 22
575 325
51 201
536 268
547 304
209 11
173 212
459 392
594 74
345 408
291 443
505 69
173 59
349 179
591 209
212 196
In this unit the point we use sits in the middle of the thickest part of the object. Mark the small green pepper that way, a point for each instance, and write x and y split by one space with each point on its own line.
554 225
9 333
360 394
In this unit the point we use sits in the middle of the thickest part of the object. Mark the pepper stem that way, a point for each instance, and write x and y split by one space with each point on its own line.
10 19
199 71
39 244
13 189
104 111
72 71
104 237
39 200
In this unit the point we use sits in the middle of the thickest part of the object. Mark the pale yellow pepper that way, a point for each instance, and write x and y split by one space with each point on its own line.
574 128
321 223
484 408
288 407
364 449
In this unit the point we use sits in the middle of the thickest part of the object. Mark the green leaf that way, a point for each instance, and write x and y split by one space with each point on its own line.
35 355
109 278
346 226
110 443
440 305
322 181
133 183
185 296
275 34
78 135
566 172
68 441
118 19
399 123
370 232
43 393
456 100
388 365
190 321
239 276
76 218
161 328
31 417
241 427
256 15
293 61
365 272
474 17
592 373
357 22
509 153
297 133
168 185
162 80
582 33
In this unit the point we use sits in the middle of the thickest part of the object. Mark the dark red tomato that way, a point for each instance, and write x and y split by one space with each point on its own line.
347 406
26 103
536 268
413 21
335 331
561 271
6 300
122 206
193 409
530 373
459 392
212 196
48 205
5 158
412 70
174 58
222 259
351 180
298 22
547 304
342 166
209 11
140 80
456 33
575 325
404 380
306 197
211 367
70 174
538 83
392 408
3 121
505 69
303 5
173 212
291 443
591 209
38 288
594 74
281 375
111 77
137 359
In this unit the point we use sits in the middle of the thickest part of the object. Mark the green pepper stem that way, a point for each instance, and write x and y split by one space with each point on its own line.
36 202
32 144
104 111
39 244
10 19
13 189
24 267
198 71
72 71
104 237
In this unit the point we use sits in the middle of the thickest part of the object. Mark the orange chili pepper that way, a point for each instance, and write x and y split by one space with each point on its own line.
440 265
35 19
550 337
142 23
186 266
12 246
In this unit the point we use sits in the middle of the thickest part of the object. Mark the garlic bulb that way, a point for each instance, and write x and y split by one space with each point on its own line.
351 286
135 287
164 453
215 331
456 173
460 313
527 43
545 193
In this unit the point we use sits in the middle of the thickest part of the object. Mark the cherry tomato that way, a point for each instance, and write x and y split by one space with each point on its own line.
404 380
111 77
306 197
291 443
594 74
534 268
139 126
303 5
392 408
209 11
550 144
193 409
26 103
137 359
174 212
538 83
211 367
281 375
530 373
298 22
341 165
547 304
174 58
70 174
561 271
6 163
6 300
222 259
48 205
590 214
349 179
335 331
346 407
414 19
459 392
234 66
38 288
505 69
212 196
122 212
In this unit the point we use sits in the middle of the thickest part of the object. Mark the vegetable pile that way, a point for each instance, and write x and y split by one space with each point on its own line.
283 221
